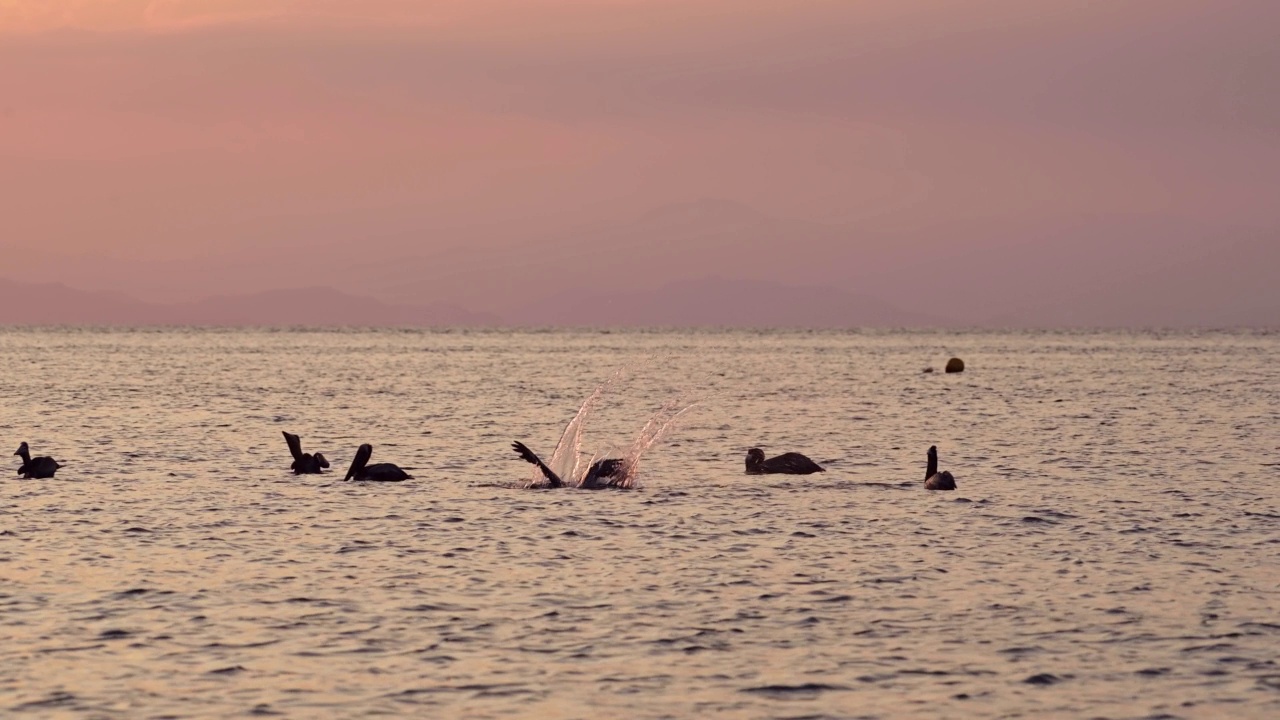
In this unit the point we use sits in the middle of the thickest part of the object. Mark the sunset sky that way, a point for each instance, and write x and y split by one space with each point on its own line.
1054 161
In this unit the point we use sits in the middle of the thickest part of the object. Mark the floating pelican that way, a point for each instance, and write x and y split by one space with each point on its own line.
785 464
382 472
304 463
934 480
41 467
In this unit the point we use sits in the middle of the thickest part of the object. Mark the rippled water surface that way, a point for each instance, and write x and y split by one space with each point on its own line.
1113 549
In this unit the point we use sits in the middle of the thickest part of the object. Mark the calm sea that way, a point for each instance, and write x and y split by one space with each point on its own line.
1113 549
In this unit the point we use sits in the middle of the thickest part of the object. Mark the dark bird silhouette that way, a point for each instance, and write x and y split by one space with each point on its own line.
382 472
934 480
40 467
304 463
607 473
785 464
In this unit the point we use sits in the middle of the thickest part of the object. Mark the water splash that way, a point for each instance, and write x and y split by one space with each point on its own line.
566 459
662 421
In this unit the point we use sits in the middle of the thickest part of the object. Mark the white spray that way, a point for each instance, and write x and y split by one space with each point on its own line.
565 460
659 424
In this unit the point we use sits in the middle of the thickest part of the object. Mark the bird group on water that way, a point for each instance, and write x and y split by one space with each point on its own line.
308 464
606 473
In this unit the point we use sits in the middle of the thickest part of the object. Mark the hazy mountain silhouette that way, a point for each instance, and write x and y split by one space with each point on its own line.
677 243
664 267
724 303
56 304
1092 270
704 302
1168 287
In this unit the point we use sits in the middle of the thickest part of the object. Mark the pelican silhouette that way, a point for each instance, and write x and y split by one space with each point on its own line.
303 463
381 472
785 464
934 480
39 467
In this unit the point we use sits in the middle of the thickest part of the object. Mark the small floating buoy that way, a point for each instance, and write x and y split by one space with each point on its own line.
955 365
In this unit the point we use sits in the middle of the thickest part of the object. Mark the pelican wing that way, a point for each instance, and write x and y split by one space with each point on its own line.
793 464
528 456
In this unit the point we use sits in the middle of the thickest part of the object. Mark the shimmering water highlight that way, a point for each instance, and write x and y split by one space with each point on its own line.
1112 549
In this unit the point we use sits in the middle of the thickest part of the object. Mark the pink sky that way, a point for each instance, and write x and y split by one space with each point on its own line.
1064 160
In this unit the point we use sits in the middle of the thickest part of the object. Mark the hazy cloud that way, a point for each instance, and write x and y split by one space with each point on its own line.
456 146
35 16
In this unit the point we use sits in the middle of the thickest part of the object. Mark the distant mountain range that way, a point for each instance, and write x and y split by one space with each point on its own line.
708 302
706 263
56 304
716 302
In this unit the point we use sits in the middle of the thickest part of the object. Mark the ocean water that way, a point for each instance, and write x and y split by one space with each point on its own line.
1113 549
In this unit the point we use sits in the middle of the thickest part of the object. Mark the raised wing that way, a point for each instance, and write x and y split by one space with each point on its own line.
528 456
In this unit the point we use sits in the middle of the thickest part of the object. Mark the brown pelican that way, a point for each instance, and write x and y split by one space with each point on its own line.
785 464
934 480
40 467
607 473
383 472
304 463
